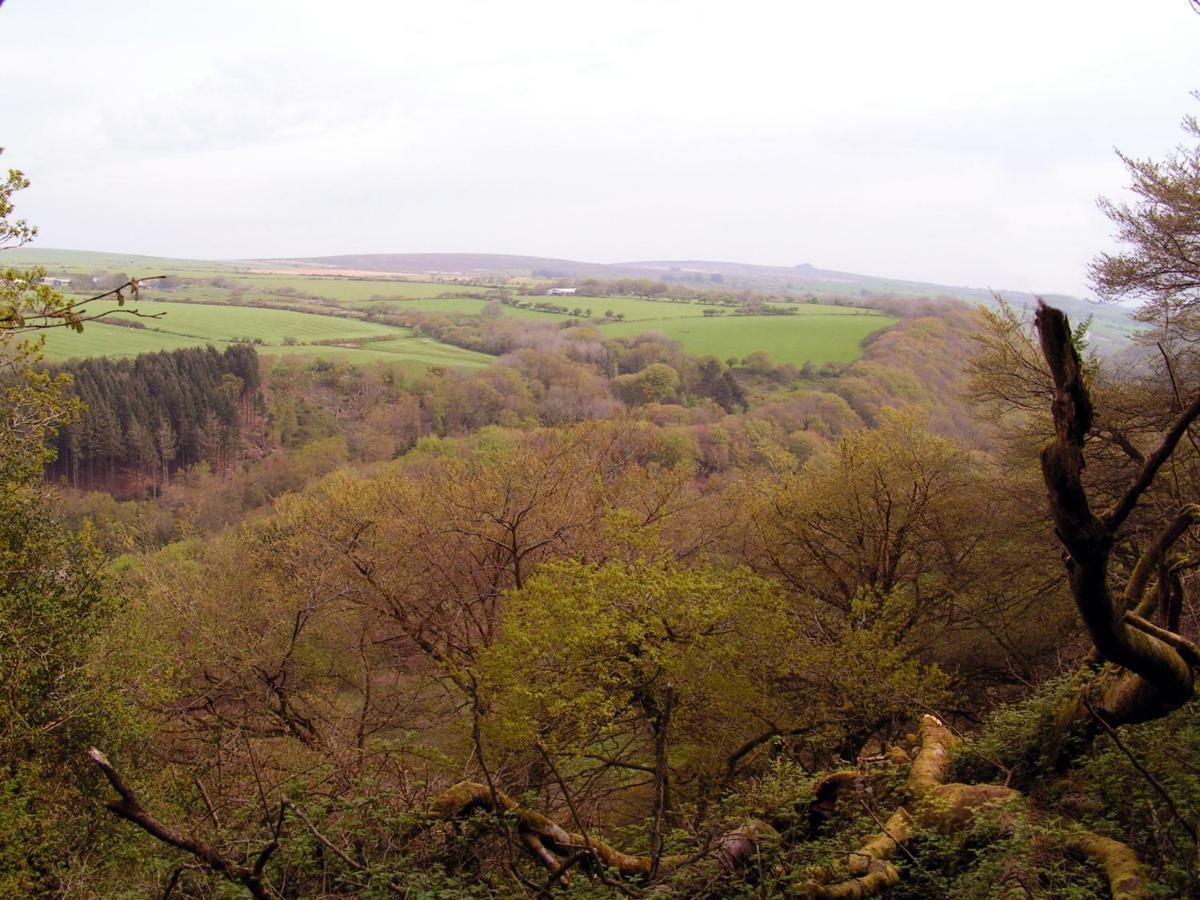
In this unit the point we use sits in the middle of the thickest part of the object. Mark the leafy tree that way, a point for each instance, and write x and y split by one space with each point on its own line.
718 383
54 604
656 383
644 666
759 362
1161 229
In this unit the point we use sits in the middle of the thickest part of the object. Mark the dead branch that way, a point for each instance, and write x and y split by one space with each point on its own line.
1120 864
934 806
131 809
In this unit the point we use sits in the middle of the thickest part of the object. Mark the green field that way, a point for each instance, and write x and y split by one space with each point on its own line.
462 306
349 290
819 336
279 331
411 350
108 340
633 308
216 322
816 333
199 312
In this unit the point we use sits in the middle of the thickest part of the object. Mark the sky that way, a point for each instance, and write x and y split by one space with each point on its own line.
961 143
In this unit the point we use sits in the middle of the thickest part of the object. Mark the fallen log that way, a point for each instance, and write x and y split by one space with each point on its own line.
950 809
549 842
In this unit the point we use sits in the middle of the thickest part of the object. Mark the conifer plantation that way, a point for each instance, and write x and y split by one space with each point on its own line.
146 417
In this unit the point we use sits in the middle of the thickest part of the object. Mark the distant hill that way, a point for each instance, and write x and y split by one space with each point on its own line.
793 279
1111 328
530 266
1112 324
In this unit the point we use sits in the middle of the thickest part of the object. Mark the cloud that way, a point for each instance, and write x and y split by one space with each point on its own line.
941 141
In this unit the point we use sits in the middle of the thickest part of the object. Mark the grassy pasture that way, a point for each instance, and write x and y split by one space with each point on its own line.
816 333
356 291
215 322
418 351
634 308
462 306
85 261
194 324
813 337
99 339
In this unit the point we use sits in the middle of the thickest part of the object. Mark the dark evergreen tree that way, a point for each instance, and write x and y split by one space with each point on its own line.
147 417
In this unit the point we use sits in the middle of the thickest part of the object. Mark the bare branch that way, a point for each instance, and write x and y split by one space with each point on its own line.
1121 510
131 809
1151 558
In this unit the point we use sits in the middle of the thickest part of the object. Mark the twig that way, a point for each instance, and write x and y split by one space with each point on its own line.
1158 786
174 880
559 872
575 817
477 739
208 804
330 845
1178 396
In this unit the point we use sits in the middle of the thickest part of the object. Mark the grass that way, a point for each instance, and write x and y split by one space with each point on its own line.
108 340
350 290
815 333
465 306
634 309
90 261
813 337
640 315
194 324
339 288
415 350
202 313
216 322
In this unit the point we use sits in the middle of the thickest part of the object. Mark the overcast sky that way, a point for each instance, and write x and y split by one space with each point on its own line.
957 142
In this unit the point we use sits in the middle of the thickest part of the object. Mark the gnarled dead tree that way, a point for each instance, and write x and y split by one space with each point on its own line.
932 805
1152 671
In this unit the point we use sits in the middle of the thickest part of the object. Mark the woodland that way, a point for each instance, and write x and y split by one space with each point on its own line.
604 619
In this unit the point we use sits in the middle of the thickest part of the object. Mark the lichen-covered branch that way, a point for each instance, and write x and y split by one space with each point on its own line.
546 840
952 809
1120 864
933 806
1153 557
